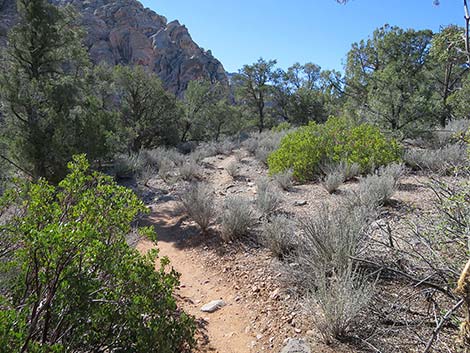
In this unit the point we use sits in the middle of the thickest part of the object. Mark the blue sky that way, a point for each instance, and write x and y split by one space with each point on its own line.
320 31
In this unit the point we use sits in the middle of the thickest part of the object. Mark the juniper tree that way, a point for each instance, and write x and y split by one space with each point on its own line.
43 90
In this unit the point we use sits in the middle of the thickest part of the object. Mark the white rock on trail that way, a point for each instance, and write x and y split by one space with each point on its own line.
296 346
213 306
300 203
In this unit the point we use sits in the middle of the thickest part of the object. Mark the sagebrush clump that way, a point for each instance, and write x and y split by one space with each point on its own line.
442 160
198 203
268 199
378 188
285 179
278 234
236 219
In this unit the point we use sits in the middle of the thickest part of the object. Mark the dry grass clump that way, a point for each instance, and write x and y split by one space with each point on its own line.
337 174
333 180
268 198
338 301
278 235
441 160
189 170
337 291
263 144
285 180
198 203
378 189
236 219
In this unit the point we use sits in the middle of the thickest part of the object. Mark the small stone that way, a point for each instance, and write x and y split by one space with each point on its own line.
310 333
300 203
213 306
259 336
297 330
275 294
295 346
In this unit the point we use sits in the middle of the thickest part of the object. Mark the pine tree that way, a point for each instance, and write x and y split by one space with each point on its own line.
43 89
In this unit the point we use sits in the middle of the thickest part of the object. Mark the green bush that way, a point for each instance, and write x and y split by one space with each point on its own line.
69 281
338 140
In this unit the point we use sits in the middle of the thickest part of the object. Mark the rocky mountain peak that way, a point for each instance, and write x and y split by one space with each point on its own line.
125 32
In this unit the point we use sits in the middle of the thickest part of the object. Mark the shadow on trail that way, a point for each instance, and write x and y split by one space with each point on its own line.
172 226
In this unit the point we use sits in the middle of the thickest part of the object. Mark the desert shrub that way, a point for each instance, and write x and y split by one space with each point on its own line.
278 235
127 165
262 154
74 284
269 141
236 219
376 189
204 150
394 170
251 144
332 236
329 241
337 302
444 240
441 160
166 168
198 203
335 176
351 170
232 169
172 154
284 126
263 144
267 197
308 148
189 170
454 131
285 179
225 147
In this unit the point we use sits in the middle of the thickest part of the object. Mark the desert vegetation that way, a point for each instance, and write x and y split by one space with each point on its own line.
351 190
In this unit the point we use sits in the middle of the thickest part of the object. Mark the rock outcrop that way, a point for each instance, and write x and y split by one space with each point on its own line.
124 32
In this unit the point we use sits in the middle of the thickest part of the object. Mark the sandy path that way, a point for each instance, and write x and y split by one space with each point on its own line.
199 285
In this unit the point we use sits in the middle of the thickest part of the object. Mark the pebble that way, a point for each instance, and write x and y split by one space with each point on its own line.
300 203
213 306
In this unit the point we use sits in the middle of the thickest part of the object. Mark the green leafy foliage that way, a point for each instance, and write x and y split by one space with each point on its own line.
309 147
386 78
149 114
69 280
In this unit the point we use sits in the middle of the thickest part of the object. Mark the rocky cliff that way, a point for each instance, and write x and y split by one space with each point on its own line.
124 32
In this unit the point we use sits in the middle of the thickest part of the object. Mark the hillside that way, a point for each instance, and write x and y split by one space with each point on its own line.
124 32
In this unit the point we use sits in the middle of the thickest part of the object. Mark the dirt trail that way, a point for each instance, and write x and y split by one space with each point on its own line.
225 329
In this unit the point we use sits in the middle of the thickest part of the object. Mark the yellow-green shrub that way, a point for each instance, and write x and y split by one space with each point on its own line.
309 147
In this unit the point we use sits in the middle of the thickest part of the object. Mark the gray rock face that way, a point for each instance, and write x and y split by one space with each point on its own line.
296 346
213 306
124 32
